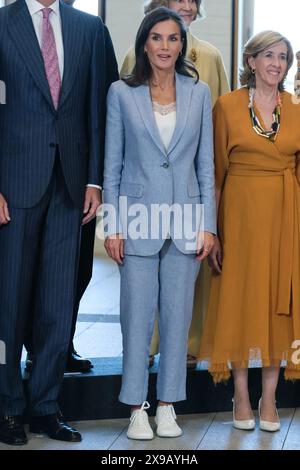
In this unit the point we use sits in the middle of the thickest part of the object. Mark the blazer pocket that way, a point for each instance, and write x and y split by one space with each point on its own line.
193 190
131 189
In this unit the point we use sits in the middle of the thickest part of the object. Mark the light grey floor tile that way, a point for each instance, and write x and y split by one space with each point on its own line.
222 436
103 294
101 340
102 298
97 435
82 327
194 428
293 437
103 268
24 354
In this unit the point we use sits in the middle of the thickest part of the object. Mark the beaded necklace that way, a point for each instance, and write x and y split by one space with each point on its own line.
258 128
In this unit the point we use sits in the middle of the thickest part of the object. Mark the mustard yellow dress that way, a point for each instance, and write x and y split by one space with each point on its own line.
254 305
209 63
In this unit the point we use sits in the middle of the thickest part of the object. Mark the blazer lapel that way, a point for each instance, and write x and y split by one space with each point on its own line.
23 34
144 104
72 40
183 99
142 97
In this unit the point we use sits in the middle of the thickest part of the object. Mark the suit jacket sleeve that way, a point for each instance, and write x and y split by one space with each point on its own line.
104 71
114 156
205 166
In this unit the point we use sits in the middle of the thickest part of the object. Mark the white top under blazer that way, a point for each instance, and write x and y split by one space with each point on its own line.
165 116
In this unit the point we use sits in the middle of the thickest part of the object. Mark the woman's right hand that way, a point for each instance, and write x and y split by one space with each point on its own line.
4 212
215 258
114 246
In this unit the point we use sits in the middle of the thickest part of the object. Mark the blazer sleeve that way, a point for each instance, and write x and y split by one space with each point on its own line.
128 64
112 75
220 144
113 165
104 71
205 166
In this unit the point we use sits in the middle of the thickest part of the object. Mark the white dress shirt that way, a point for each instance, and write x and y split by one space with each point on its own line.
35 10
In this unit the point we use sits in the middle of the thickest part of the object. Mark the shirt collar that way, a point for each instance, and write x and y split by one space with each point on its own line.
34 6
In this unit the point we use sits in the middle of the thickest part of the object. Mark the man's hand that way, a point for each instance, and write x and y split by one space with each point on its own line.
4 212
114 246
206 242
91 204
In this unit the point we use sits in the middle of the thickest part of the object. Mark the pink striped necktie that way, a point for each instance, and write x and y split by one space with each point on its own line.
50 56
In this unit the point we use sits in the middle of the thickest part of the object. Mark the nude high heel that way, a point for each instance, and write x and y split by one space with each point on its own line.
268 426
245 424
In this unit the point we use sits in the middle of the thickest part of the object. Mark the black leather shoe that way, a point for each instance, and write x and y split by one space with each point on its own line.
55 427
75 363
12 431
28 362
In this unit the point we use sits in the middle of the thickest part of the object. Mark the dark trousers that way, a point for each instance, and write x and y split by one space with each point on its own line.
38 272
85 270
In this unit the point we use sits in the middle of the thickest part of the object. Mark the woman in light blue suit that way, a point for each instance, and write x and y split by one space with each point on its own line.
158 172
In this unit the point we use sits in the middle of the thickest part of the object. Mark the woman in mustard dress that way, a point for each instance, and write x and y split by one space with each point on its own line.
254 304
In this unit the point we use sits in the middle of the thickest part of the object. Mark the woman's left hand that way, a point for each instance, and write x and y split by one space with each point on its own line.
206 241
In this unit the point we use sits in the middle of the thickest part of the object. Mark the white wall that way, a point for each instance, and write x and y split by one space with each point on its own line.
216 28
123 19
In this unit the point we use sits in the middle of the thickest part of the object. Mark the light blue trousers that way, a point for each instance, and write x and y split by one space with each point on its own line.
165 281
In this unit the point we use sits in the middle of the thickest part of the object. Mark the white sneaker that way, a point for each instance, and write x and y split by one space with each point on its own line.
139 427
166 422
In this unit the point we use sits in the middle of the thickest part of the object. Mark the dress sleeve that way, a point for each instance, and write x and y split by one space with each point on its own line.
220 144
224 86
128 64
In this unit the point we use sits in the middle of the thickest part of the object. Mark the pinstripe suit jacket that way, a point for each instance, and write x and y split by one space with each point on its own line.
30 127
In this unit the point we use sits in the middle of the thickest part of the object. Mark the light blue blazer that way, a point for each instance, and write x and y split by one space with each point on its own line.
140 171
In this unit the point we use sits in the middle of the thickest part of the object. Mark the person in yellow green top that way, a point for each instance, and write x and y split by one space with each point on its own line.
208 61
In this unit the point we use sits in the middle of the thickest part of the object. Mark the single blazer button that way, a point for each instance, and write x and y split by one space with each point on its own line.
166 165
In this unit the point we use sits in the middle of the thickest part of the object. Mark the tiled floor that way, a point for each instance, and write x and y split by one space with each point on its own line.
101 335
201 432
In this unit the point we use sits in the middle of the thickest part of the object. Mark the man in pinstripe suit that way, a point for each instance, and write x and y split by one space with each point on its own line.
53 60
75 363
